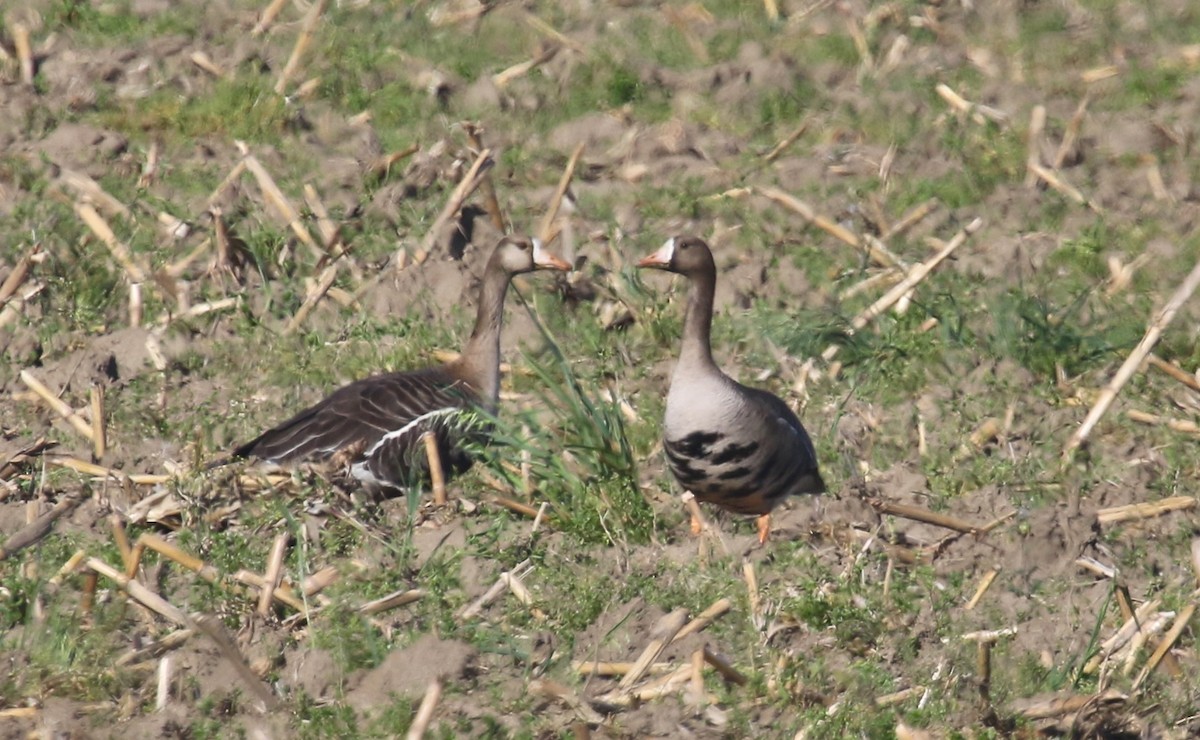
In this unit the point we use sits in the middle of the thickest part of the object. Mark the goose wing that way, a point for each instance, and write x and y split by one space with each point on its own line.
362 414
794 458
782 416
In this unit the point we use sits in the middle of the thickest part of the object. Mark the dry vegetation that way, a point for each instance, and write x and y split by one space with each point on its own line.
959 237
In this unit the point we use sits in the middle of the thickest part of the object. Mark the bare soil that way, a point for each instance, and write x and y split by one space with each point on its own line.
1042 591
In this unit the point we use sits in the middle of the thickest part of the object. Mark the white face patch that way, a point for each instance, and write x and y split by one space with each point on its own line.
544 259
667 251
662 257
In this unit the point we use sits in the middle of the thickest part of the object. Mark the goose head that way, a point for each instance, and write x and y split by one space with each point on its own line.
684 255
520 254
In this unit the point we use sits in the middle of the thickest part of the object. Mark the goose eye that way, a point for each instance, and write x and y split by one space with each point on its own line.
524 246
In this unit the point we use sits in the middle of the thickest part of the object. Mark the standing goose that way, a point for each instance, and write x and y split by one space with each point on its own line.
737 447
375 425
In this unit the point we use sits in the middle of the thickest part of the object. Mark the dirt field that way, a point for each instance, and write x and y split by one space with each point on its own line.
201 237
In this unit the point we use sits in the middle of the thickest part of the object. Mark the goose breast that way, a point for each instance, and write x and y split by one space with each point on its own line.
737 447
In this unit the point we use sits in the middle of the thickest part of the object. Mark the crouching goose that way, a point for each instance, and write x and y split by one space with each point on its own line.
737 447
375 426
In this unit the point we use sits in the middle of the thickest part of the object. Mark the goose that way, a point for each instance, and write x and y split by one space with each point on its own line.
727 444
375 426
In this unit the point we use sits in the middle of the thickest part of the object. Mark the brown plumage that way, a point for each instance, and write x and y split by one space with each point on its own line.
375 425
738 447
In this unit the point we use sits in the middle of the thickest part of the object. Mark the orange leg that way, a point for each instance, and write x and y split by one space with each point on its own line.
764 528
698 523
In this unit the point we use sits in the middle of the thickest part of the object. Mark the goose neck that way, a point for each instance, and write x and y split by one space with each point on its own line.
481 355
696 348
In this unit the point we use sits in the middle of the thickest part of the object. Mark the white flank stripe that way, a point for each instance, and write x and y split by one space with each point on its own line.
410 425
362 474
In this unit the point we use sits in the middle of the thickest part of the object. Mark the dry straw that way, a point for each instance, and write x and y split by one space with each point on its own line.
977 112
392 601
137 273
1160 323
879 253
277 200
420 723
916 215
1181 623
466 186
57 405
921 514
268 17
663 634
1176 372
88 190
984 585
553 34
914 276
212 627
505 77
100 472
204 62
24 49
1070 141
608 669
1060 706
436 476
715 611
499 587
546 231
302 43
99 432
140 593
555 690
35 530
1128 512
1185 426
670 629
315 294
20 272
1134 623
274 573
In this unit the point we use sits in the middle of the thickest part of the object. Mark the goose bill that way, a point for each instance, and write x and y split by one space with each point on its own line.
661 258
548 260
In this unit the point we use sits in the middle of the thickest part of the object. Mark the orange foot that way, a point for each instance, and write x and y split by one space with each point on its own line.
764 528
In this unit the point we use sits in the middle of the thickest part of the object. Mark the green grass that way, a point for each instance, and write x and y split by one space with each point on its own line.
117 22
586 402
238 108
584 454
